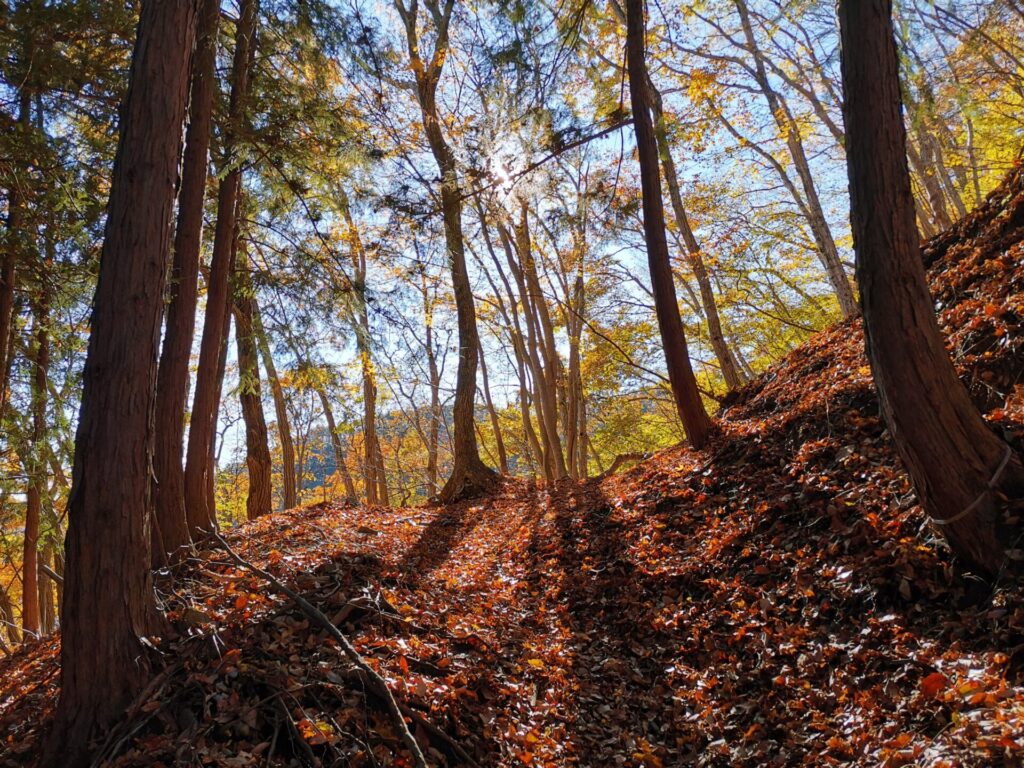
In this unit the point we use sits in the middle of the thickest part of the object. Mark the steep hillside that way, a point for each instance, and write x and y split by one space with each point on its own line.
776 599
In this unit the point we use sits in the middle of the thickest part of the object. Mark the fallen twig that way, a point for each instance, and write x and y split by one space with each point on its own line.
314 614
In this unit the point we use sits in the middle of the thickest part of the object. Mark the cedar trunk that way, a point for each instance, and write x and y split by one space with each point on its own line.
950 454
199 470
684 384
12 245
257 448
108 591
35 465
170 525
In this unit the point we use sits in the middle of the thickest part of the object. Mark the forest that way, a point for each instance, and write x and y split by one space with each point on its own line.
587 383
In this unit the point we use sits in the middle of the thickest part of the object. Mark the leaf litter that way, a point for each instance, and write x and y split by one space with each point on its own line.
776 599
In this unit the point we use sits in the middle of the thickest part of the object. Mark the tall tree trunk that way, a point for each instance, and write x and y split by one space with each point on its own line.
108 592
340 457
170 524
210 476
512 322
12 247
434 426
730 371
374 476
684 384
957 465
544 402
257 449
926 175
495 424
470 476
205 405
284 429
47 614
36 465
813 210
545 339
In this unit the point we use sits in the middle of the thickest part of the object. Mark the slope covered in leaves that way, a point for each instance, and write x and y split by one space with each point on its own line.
776 599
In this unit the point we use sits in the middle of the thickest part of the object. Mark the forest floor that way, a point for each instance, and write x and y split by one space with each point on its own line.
775 599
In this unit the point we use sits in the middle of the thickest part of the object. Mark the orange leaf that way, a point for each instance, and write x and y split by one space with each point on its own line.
932 685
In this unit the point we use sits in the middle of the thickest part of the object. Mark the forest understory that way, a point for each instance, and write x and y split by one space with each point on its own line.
775 599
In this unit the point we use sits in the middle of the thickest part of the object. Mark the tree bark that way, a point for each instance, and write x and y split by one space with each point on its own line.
544 341
731 373
47 614
492 411
108 593
12 246
202 516
284 429
687 398
259 500
374 476
210 474
958 466
470 476
340 457
511 317
170 524
434 426
827 250
7 614
35 464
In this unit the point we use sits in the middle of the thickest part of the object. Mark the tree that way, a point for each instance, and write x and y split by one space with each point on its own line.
284 430
108 601
257 453
35 455
684 384
470 476
958 466
170 523
199 469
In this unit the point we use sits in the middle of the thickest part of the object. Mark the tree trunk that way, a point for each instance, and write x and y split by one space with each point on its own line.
957 465
12 246
495 424
827 250
512 322
374 477
470 476
932 188
340 458
543 402
210 473
434 427
7 615
284 429
202 517
684 384
545 341
35 465
47 615
257 448
170 524
108 596
730 371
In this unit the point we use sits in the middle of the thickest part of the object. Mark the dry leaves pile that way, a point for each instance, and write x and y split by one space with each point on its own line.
776 599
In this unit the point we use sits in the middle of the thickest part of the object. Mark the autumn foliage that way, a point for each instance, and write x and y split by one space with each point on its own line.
775 599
